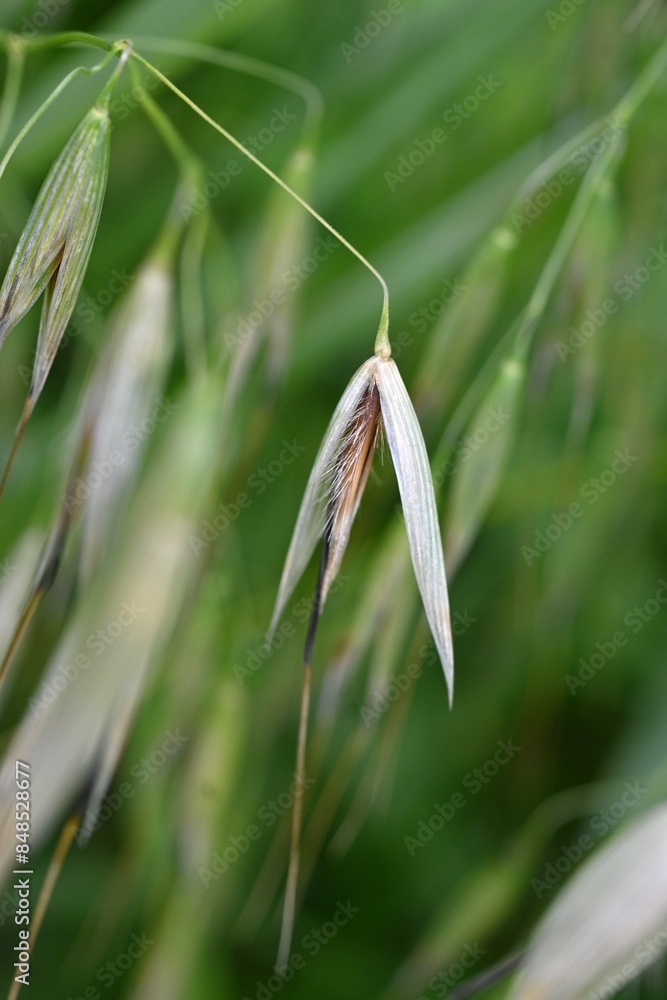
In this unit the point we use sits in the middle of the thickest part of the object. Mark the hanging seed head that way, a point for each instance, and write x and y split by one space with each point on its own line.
54 249
375 397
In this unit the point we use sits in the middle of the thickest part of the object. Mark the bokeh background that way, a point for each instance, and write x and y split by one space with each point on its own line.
537 601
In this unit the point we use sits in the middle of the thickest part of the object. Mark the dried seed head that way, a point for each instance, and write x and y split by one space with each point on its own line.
376 396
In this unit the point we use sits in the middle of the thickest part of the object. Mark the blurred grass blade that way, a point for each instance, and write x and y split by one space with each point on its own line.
283 245
609 920
125 406
479 461
16 573
92 685
456 338
387 573
588 285
54 249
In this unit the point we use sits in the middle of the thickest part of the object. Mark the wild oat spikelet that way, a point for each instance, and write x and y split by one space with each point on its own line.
376 397
54 249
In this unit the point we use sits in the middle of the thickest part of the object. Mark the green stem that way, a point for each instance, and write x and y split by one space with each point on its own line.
517 340
628 106
56 40
385 347
595 177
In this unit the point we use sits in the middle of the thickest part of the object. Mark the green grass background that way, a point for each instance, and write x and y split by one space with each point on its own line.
470 885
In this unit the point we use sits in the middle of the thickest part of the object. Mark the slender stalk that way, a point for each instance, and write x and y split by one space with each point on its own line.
46 574
25 416
289 906
383 338
60 38
501 970
19 632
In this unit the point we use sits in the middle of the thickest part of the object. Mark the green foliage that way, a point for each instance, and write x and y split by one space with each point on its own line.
485 158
